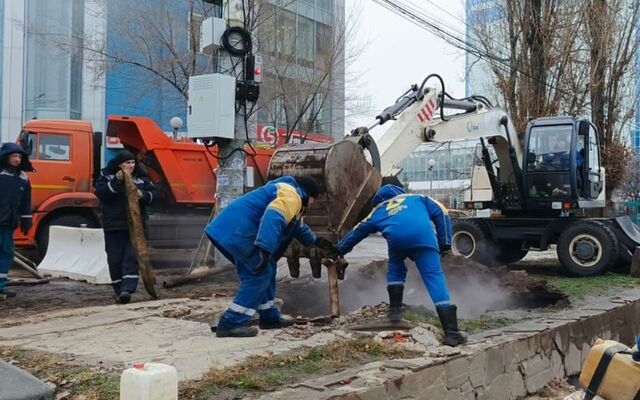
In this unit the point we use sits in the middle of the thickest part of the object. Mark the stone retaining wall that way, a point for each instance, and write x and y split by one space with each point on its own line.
505 364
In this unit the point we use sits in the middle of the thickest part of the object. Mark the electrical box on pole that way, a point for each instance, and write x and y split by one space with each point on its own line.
211 32
211 106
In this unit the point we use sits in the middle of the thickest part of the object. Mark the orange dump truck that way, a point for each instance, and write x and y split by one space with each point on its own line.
66 155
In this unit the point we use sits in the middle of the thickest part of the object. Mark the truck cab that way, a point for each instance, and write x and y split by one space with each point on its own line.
562 169
64 162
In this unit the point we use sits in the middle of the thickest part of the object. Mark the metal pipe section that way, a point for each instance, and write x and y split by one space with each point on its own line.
466 106
411 96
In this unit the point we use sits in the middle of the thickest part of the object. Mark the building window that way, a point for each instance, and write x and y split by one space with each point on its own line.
54 59
75 73
323 45
324 4
305 41
286 33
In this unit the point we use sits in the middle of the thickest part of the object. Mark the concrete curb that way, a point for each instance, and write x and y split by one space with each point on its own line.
507 364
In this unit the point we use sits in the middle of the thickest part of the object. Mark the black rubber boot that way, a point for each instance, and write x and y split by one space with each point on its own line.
241 331
282 323
449 320
124 297
395 302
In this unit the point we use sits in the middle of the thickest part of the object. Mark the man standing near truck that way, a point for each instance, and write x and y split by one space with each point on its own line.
407 223
15 205
253 232
121 257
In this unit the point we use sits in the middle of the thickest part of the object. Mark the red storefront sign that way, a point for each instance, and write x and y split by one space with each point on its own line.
276 137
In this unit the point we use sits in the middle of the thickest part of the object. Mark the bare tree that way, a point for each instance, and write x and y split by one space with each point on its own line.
304 69
305 63
630 189
572 58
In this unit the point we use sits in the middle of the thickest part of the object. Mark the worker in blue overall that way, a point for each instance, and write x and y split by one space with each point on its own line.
407 223
253 232
15 205
121 257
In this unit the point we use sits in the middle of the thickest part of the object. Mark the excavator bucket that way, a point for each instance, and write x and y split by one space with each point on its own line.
349 182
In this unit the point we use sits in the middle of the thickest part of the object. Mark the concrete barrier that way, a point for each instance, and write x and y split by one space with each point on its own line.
76 253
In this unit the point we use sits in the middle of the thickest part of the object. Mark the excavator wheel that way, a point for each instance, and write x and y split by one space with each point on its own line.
587 248
471 240
510 251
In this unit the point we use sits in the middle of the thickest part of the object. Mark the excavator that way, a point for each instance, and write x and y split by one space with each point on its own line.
540 190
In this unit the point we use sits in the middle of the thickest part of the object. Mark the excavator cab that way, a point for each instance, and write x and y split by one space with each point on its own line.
562 168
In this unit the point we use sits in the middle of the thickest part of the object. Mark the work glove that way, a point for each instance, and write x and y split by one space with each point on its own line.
25 225
264 261
445 249
326 245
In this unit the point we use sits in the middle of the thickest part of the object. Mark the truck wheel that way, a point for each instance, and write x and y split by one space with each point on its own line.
471 241
510 251
587 248
75 221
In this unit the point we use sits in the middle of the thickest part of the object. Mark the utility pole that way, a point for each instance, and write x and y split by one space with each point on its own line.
236 53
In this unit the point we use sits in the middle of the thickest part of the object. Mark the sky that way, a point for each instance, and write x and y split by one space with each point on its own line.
398 53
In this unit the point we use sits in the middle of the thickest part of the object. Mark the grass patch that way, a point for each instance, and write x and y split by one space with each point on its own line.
260 373
472 325
579 287
92 383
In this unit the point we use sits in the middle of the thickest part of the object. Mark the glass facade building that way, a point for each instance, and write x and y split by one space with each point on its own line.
53 74
441 171
298 44
44 72
43 69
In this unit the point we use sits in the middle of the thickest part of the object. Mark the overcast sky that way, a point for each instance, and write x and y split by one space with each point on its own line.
400 53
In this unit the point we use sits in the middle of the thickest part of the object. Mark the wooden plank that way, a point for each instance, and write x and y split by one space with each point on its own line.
136 235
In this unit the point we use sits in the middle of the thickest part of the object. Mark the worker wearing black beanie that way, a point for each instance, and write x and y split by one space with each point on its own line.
121 257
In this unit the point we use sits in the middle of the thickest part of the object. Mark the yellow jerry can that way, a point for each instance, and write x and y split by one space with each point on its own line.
610 372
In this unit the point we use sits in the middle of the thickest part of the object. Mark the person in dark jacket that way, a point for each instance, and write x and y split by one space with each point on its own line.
121 257
407 222
15 205
253 232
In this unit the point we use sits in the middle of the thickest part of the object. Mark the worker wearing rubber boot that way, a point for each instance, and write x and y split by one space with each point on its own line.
15 205
110 189
253 232
405 221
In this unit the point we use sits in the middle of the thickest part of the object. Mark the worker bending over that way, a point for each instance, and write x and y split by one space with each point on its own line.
15 205
253 232
405 221
121 257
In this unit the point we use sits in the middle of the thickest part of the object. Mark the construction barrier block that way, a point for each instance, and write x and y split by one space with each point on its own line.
76 253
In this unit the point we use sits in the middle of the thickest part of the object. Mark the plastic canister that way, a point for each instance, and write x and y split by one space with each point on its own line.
610 372
149 381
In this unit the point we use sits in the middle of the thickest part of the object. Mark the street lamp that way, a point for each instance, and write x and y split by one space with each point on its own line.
176 123
430 164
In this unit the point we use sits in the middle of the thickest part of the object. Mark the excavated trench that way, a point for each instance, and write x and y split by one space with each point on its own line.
476 290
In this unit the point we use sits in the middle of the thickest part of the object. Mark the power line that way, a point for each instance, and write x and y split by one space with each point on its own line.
411 15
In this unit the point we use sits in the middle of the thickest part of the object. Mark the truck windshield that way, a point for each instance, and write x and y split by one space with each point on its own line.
549 148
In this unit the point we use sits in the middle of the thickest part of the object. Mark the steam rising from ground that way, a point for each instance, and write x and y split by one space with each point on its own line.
474 288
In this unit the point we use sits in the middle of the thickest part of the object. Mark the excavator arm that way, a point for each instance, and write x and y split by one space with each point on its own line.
424 114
